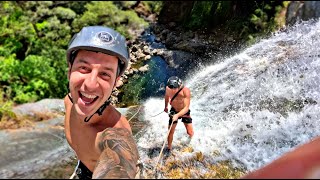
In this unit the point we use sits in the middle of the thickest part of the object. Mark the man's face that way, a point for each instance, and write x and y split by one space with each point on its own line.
91 79
171 87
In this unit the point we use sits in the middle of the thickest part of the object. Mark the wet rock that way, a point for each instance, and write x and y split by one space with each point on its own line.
42 106
144 68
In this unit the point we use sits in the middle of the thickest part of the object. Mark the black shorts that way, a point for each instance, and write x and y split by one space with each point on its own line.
186 120
83 172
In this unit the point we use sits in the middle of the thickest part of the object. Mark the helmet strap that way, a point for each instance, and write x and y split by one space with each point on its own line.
100 110
69 93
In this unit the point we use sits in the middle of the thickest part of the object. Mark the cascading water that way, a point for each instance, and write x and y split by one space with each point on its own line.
252 107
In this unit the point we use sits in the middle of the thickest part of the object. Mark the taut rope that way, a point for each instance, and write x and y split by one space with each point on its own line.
162 147
135 113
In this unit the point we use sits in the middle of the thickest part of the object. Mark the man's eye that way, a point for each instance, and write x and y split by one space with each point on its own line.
105 74
83 68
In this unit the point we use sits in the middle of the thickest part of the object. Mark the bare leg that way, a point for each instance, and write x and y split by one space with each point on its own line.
189 129
170 136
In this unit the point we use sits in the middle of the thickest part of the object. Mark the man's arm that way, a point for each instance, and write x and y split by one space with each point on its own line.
119 155
166 100
301 162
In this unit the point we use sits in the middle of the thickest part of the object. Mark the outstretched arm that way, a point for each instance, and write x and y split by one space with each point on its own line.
302 162
119 155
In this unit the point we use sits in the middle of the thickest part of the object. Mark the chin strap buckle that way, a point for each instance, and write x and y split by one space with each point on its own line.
100 110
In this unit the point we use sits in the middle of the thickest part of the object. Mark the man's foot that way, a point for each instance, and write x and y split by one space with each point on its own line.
188 140
167 151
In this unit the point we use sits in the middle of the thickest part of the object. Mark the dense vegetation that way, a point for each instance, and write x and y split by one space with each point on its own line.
34 36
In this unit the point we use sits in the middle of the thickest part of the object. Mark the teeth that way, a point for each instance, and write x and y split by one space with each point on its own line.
88 95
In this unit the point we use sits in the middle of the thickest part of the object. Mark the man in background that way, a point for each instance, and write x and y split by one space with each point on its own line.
179 97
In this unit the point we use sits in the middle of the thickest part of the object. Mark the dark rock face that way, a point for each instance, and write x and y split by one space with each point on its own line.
174 11
302 10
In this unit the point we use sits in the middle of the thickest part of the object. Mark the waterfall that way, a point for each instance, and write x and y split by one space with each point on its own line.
252 107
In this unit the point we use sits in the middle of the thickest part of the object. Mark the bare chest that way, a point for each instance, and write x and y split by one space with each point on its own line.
82 139
178 101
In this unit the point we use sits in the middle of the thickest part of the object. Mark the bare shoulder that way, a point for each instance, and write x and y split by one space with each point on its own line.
125 123
120 121
119 154
116 134
186 91
167 90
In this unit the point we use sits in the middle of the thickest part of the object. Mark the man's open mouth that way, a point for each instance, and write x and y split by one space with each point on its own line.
87 98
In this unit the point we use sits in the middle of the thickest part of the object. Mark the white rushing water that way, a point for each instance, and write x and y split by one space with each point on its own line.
252 107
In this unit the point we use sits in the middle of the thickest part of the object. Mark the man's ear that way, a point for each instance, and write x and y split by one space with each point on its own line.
115 82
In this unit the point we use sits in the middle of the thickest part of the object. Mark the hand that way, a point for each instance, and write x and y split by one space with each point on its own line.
166 109
175 117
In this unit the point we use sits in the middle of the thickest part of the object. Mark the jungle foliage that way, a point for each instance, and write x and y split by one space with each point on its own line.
34 37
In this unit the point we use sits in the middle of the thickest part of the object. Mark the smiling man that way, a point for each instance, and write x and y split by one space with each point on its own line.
100 136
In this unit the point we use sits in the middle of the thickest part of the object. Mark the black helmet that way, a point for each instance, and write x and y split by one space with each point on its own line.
100 39
174 82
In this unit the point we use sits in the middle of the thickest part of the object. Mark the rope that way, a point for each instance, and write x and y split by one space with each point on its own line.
135 113
163 147
157 114
74 172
